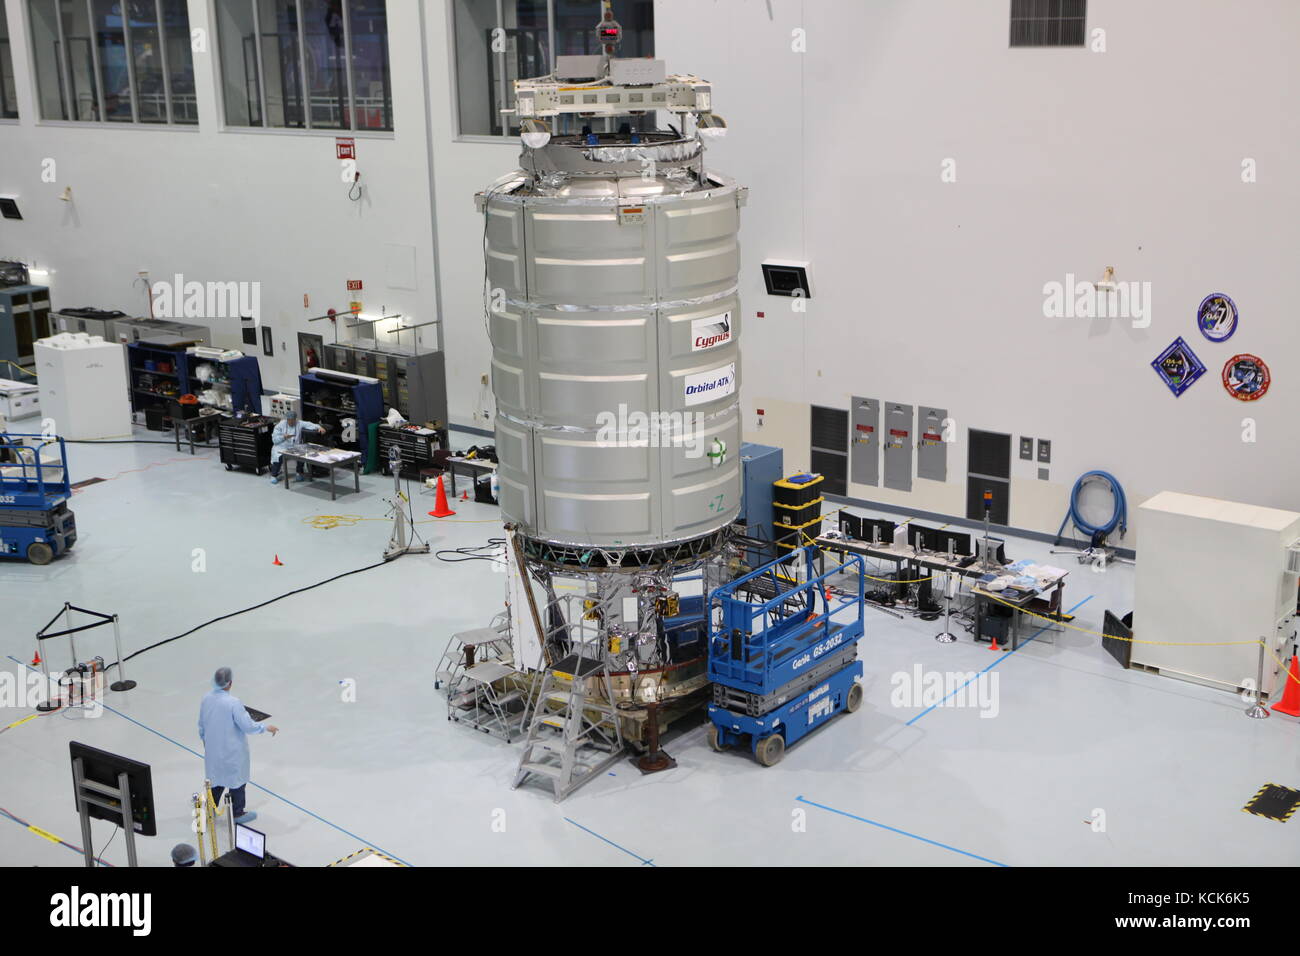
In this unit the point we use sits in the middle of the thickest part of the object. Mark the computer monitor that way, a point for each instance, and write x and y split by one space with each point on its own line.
921 537
851 525
252 842
960 541
103 768
880 530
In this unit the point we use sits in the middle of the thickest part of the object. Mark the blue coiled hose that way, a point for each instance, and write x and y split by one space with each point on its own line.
1118 518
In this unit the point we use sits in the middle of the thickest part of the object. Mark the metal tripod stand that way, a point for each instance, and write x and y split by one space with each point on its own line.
403 531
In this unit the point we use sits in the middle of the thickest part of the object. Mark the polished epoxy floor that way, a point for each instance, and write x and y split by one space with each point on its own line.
169 541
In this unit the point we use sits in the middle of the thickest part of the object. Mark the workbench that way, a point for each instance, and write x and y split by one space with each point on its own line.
207 418
472 466
331 459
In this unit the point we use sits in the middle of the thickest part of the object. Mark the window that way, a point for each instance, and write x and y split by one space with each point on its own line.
114 61
305 64
1048 22
499 41
8 98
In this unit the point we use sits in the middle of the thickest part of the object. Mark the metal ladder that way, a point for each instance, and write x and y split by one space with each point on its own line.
573 736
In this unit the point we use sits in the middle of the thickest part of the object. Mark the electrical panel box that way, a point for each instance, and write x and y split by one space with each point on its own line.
1208 572
931 449
413 382
24 318
864 441
761 466
897 443
281 405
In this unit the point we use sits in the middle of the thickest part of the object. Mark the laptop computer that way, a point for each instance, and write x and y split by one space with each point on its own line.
250 845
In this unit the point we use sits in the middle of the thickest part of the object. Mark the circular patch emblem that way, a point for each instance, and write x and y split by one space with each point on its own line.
1246 377
1217 317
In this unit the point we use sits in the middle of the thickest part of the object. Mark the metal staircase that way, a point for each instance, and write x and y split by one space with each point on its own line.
574 733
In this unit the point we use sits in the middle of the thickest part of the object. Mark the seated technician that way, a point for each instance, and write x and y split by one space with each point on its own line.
288 433
224 728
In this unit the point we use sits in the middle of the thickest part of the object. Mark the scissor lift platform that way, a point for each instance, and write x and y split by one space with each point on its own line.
785 665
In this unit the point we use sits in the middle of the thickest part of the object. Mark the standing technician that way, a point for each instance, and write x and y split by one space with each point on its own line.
224 726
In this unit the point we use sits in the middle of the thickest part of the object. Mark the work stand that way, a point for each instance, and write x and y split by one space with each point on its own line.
116 800
946 636
400 542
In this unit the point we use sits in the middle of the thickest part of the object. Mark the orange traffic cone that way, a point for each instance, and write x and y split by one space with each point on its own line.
993 644
1290 702
277 562
464 496
36 661
440 506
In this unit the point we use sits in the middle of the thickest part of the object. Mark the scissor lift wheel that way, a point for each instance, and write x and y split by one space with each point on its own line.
769 750
715 741
854 700
39 553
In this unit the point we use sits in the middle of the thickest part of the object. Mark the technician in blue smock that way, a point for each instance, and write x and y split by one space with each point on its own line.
288 432
224 726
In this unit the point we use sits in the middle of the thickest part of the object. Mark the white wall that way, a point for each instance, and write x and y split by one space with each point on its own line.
226 206
1068 161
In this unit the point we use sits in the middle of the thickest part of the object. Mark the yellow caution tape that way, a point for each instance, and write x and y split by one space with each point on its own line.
19 723
1131 640
44 833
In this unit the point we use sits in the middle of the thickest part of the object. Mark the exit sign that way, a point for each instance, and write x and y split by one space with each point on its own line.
354 285
346 147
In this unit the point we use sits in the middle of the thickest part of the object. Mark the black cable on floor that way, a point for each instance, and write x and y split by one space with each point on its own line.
467 553
224 617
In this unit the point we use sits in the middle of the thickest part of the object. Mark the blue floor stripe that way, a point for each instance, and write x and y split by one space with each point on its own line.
1024 643
885 826
644 861
250 783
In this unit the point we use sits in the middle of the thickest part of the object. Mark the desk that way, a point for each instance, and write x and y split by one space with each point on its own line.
330 459
473 468
1054 588
206 418
1051 585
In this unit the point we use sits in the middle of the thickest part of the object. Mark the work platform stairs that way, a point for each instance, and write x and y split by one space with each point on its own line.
574 734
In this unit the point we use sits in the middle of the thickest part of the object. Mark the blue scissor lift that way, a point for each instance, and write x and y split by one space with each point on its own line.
35 522
783 653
